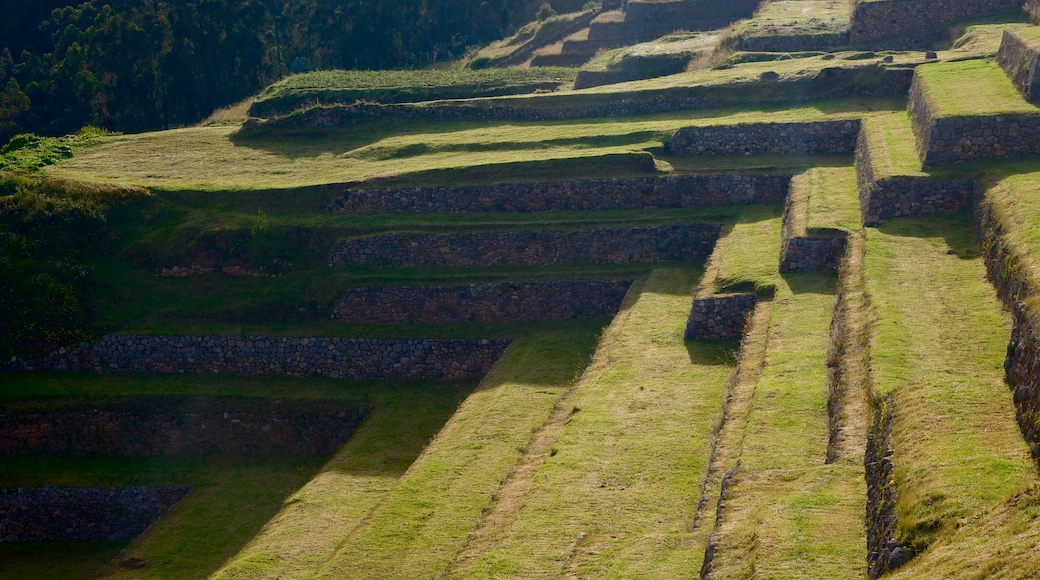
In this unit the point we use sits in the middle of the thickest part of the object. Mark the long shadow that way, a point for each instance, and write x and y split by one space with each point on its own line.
956 230
812 282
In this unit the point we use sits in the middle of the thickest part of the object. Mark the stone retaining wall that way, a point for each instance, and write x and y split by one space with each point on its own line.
495 302
687 243
594 194
812 254
793 42
89 514
1022 373
720 317
890 197
831 83
884 553
823 137
1021 62
945 141
338 358
873 20
143 427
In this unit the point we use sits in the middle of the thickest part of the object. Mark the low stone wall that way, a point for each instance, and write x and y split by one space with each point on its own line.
890 197
686 243
338 358
1004 267
594 194
1022 373
1021 62
945 141
812 254
884 553
143 427
831 83
495 302
720 317
873 20
824 137
679 11
89 514
793 42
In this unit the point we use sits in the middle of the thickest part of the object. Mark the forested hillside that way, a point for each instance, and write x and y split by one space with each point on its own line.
135 65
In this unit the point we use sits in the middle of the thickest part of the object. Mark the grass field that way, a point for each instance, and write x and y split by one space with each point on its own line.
629 460
937 349
971 89
233 497
790 17
213 158
788 514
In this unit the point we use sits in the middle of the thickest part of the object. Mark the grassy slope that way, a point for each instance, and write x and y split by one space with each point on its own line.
423 522
233 497
1016 201
937 350
831 200
790 17
618 494
788 515
971 89
213 158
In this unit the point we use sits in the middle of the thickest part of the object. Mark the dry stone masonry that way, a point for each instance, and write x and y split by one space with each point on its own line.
823 137
880 19
801 254
494 302
89 514
900 196
1021 62
948 140
720 317
332 357
1022 372
641 193
143 427
688 243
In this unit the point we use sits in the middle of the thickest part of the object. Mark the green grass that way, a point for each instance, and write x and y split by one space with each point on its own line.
746 258
938 347
828 199
973 88
617 493
893 147
1014 199
233 496
788 514
534 32
424 520
215 159
688 44
329 87
791 17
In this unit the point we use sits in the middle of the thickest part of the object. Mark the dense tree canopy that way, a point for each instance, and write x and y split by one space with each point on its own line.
134 65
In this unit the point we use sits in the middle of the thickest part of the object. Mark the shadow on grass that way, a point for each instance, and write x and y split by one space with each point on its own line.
713 352
956 230
812 282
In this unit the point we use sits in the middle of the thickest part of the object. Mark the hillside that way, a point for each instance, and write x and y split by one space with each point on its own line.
645 290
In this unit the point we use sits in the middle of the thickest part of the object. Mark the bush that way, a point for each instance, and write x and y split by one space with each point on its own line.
545 12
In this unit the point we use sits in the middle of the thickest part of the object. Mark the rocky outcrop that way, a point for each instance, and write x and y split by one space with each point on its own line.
143 427
592 194
686 243
331 357
720 317
88 514
494 302
823 137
